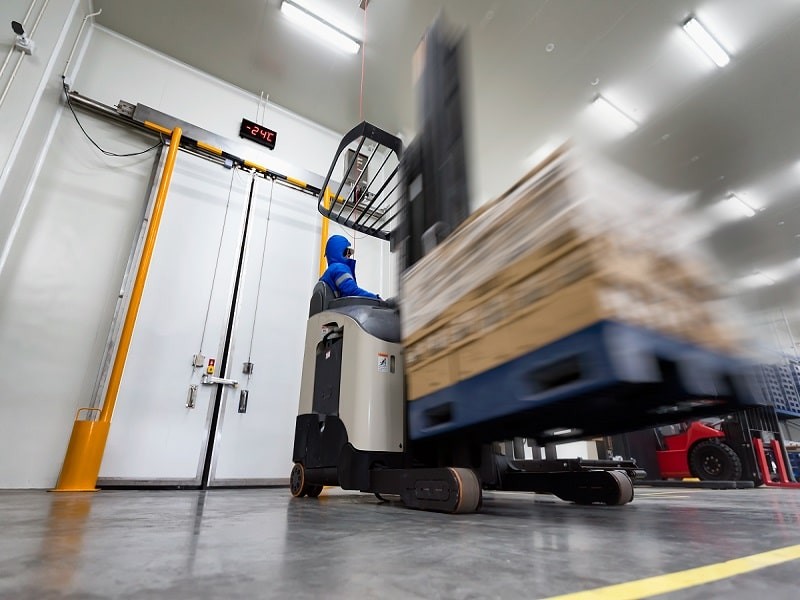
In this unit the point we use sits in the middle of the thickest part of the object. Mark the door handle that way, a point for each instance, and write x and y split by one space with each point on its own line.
210 380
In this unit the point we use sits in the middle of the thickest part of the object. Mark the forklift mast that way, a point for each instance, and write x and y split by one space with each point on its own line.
415 196
433 167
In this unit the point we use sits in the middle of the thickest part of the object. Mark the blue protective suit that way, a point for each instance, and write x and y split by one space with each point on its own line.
341 272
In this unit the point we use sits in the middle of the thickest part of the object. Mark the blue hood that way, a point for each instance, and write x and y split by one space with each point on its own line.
334 252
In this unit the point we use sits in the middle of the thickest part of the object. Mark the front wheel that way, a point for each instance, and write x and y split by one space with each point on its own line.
297 481
711 460
299 486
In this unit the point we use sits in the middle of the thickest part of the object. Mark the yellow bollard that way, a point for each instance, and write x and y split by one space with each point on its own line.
84 455
88 441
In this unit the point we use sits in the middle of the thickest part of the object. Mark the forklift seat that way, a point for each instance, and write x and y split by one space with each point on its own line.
320 298
324 298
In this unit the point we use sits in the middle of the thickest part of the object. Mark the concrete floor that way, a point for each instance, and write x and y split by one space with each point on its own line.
263 544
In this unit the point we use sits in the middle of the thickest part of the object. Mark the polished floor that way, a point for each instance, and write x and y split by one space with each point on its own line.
262 544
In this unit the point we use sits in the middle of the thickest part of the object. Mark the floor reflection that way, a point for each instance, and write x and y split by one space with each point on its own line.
62 542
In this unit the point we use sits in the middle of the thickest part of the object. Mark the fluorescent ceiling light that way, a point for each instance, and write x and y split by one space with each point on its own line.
707 43
756 280
770 276
562 432
319 27
609 112
734 207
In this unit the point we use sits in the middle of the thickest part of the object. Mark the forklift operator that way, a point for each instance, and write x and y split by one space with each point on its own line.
340 276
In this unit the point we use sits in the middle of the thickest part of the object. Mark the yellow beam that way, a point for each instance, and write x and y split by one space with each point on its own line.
297 182
210 148
326 202
256 166
87 444
157 127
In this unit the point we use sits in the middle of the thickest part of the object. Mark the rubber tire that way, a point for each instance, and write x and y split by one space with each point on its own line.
297 481
470 493
625 486
313 490
710 460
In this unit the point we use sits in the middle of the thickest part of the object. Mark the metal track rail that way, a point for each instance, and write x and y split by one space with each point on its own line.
198 141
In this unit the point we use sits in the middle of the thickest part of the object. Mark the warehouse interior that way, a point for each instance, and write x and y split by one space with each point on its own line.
580 220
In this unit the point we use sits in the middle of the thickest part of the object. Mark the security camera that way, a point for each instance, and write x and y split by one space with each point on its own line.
23 43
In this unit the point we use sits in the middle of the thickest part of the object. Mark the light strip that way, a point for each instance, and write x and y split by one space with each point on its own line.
741 205
769 280
706 42
611 112
320 28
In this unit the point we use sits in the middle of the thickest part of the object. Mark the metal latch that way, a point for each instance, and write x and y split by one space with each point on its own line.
191 399
210 380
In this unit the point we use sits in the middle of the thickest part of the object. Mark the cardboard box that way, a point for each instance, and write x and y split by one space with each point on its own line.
538 264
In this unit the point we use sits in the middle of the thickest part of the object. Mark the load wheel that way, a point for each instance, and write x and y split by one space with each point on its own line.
470 494
711 460
612 488
299 486
625 486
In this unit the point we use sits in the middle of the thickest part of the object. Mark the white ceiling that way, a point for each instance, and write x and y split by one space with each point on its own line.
704 131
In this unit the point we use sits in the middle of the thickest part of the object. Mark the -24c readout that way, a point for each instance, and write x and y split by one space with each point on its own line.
258 133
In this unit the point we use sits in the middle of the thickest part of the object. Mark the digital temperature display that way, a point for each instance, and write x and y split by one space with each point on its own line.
258 133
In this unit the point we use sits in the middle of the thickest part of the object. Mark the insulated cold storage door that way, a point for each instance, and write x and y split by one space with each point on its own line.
232 270
256 429
159 433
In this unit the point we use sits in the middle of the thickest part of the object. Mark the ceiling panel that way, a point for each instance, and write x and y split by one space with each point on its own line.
704 131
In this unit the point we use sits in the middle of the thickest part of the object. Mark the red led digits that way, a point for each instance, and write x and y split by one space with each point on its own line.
257 133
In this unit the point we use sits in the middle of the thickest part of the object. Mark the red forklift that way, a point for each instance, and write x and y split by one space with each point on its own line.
743 446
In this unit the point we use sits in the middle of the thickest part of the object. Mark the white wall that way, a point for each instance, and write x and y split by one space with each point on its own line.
32 100
170 86
64 265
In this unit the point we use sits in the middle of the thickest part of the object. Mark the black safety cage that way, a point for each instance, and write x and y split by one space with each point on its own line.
368 198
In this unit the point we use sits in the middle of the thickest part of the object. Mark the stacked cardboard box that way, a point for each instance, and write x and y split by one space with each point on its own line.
548 258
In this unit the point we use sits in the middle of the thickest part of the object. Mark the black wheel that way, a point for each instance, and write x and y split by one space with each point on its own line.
711 460
313 490
297 481
624 487
612 488
469 489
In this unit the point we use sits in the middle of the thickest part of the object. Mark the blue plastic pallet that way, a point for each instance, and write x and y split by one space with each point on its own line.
607 360
794 462
780 384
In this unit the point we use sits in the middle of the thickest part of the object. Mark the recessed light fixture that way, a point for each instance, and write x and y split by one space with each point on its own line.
766 279
613 113
756 279
737 207
320 28
706 42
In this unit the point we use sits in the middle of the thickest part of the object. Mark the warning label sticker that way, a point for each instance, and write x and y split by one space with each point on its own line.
383 362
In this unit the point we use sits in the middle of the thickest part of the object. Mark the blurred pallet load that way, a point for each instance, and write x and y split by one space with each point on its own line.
781 384
550 257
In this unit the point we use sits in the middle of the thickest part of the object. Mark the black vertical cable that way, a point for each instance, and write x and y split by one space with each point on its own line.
223 369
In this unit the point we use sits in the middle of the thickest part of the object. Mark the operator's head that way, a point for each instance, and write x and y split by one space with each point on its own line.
338 250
